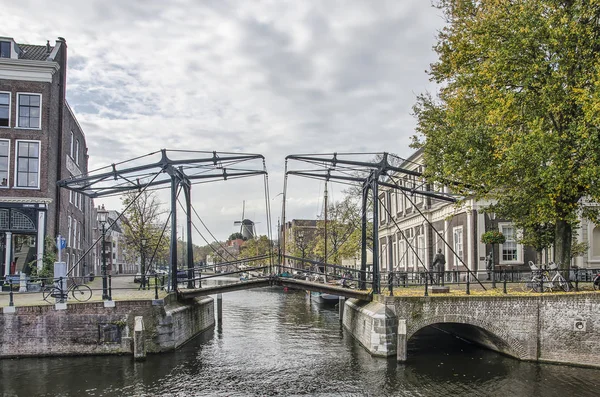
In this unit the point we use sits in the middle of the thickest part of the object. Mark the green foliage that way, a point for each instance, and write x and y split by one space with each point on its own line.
343 232
516 119
50 256
257 247
237 235
579 248
538 236
493 237
143 220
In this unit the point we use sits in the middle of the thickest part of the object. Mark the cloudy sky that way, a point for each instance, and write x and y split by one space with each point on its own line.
268 77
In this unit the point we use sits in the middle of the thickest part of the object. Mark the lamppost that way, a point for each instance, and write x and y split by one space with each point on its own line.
102 218
143 254
302 246
492 237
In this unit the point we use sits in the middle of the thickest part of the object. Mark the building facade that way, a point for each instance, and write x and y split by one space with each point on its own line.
41 142
413 227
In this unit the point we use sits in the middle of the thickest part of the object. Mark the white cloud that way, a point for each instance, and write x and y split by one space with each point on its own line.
269 77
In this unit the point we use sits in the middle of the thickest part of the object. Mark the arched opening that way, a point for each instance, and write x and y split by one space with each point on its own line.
449 339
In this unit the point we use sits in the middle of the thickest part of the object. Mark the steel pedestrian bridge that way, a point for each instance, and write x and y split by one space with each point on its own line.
275 280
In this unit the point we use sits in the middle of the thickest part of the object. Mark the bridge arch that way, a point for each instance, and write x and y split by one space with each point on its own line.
476 330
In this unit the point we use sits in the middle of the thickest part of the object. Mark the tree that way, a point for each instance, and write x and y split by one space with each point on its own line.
257 247
144 220
235 236
516 119
303 243
343 232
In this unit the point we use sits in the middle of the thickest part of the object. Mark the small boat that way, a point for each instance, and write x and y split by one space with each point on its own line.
324 298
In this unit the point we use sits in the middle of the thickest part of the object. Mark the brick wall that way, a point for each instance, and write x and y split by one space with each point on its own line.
550 328
90 328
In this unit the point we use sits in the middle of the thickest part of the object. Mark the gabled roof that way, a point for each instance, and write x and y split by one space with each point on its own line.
35 52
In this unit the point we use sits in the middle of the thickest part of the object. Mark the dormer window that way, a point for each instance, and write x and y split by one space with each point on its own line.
4 49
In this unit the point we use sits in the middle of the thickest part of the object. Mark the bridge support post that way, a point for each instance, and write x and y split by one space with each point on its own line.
139 346
220 308
341 304
401 341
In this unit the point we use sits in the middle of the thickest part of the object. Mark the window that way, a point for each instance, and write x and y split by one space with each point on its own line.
69 235
402 254
509 248
381 209
72 140
4 151
29 110
458 242
28 164
74 233
77 152
4 109
421 248
4 49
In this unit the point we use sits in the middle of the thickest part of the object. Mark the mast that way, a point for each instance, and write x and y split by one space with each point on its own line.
325 247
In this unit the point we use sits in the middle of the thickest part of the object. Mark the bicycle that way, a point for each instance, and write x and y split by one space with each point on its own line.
596 282
79 292
558 281
541 279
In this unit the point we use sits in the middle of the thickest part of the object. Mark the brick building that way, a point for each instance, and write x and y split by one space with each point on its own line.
41 142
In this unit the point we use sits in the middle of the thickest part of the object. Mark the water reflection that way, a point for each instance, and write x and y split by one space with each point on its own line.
276 343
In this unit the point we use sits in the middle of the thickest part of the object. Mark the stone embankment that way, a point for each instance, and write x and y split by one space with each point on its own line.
561 328
96 328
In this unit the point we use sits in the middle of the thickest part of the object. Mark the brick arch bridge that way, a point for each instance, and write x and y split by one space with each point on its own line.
560 328
481 331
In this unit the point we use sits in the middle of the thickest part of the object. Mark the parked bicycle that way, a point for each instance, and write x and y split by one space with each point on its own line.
542 279
79 292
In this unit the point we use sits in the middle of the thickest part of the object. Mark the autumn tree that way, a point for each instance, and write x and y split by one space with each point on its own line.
144 220
257 247
343 232
517 113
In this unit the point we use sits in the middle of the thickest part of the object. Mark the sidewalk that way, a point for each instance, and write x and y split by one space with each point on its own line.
123 288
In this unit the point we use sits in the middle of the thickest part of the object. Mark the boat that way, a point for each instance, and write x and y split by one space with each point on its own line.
324 298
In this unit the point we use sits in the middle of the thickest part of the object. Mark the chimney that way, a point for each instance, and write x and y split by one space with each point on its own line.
48 46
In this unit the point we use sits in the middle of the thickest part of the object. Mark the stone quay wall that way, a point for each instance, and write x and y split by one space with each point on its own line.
92 329
557 328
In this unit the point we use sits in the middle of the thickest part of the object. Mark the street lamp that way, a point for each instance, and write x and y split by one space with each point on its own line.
102 218
143 254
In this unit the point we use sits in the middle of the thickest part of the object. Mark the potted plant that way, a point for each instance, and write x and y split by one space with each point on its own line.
493 237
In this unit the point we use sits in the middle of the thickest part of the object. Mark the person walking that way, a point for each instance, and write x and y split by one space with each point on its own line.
439 263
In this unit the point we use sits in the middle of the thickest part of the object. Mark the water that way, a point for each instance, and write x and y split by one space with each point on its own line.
275 343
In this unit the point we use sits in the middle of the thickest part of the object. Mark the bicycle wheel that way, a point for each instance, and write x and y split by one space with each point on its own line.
82 293
564 284
528 286
547 285
50 292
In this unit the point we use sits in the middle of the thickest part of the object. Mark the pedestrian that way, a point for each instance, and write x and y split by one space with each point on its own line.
439 264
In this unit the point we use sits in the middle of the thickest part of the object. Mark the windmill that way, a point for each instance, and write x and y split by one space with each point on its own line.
247 228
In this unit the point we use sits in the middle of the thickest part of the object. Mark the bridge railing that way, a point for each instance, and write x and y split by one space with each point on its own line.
505 279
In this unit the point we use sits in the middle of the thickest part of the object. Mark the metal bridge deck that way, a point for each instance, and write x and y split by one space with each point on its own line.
276 280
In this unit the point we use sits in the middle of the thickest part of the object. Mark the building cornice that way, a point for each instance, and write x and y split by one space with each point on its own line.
28 70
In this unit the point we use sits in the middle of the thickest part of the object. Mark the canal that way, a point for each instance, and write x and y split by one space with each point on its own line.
279 343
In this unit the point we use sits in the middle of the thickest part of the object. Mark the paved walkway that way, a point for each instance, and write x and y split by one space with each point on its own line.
123 288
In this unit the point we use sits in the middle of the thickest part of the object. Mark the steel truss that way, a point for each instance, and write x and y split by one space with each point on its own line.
163 169
344 168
